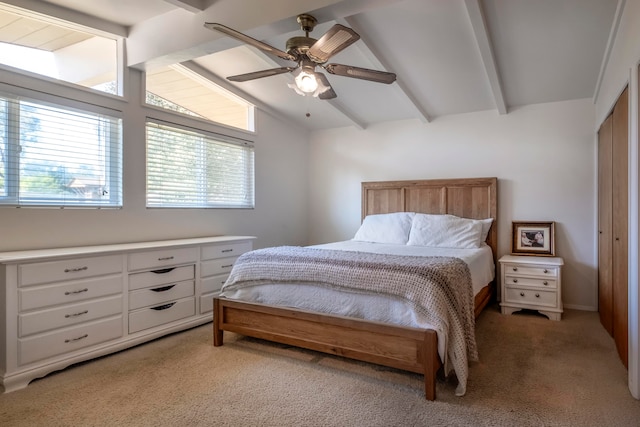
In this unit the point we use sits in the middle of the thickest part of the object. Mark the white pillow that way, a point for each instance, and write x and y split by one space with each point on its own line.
486 226
386 228
445 231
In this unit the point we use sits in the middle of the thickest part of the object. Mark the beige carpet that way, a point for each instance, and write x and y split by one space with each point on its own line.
533 372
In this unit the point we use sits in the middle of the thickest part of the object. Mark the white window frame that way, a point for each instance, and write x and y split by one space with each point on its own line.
198 195
112 158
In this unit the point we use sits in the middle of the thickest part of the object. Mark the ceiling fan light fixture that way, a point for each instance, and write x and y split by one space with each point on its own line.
306 82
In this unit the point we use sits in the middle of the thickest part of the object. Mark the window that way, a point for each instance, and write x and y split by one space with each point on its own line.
193 169
57 49
179 89
56 156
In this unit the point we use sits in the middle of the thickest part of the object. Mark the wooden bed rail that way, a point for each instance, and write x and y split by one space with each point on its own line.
409 349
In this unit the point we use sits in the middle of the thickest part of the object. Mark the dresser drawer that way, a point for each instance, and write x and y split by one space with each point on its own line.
146 318
213 283
530 281
206 303
216 266
153 296
527 270
165 276
69 269
225 250
63 293
69 339
68 315
162 258
531 297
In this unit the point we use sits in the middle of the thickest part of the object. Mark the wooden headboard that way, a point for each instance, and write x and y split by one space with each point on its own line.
475 198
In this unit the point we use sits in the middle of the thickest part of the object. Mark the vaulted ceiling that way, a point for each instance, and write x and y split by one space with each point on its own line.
450 56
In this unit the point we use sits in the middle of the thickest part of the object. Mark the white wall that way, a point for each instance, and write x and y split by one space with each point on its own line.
280 216
543 156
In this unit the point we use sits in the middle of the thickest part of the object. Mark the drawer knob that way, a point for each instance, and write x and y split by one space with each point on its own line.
521 294
515 268
77 292
75 270
66 316
545 271
515 280
537 295
77 339
545 283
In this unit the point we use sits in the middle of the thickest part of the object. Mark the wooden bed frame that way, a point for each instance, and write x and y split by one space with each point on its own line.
400 347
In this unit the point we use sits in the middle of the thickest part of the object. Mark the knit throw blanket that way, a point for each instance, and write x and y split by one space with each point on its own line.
438 287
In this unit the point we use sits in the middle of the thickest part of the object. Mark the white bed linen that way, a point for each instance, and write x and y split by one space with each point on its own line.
380 308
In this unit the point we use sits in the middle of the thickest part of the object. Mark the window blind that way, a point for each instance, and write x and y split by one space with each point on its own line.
189 168
56 156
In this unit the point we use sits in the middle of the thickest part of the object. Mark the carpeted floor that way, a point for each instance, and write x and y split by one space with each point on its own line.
532 372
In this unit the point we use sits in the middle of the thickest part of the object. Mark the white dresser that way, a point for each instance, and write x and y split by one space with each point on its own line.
63 306
531 282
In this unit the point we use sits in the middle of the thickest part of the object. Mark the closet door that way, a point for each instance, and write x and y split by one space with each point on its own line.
605 239
620 227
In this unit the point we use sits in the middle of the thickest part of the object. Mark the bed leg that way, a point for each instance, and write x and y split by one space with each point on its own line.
430 351
218 334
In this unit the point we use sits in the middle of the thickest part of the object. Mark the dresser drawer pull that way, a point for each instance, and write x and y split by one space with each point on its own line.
545 283
521 294
164 270
227 250
163 307
75 270
166 258
76 314
537 295
515 280
515 268
545 271
227 266
76 292
162 289
77 339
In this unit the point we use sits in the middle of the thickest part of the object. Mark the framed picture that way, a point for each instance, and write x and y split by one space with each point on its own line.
533 238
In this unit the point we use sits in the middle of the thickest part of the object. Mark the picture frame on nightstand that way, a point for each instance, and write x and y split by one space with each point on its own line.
533 238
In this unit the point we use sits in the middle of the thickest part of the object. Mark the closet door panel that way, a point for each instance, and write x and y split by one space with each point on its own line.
605 245
620 226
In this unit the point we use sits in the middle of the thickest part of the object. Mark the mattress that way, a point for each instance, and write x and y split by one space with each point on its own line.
374 307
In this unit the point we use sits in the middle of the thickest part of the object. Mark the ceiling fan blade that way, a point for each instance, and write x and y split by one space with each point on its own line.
333 41
328 93
249 40
260 74
360 73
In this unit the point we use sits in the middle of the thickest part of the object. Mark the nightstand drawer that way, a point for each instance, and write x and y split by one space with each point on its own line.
530 281
527 270
531 297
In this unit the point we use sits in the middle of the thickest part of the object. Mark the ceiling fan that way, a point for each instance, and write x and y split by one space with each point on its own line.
309 53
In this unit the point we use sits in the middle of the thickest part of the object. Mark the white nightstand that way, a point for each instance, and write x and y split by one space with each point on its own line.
531 282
